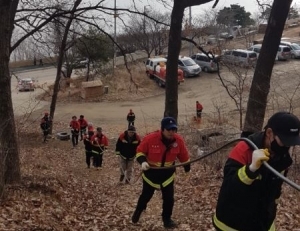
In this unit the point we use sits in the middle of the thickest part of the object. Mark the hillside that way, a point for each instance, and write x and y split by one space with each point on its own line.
59 193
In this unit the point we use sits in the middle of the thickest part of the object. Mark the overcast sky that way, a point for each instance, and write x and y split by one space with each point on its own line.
250 5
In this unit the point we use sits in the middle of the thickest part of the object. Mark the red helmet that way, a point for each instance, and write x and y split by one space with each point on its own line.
46 113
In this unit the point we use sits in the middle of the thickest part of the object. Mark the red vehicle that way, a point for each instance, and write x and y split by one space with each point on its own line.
156 69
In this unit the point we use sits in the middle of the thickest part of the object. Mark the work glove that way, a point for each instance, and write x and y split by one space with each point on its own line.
145 166
258 156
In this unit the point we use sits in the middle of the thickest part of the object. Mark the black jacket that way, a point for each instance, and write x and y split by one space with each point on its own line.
126 146
249 207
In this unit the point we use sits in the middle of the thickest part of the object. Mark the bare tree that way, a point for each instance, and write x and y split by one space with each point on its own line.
171 101
260 87
9 151
237 84
60 59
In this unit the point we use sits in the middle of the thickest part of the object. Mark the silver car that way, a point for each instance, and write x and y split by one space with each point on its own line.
295 49
188 66
207 64
26 84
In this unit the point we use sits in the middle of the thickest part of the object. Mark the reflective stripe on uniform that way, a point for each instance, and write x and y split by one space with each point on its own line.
243 176
164 184
98 153
272 228
140 154
221 225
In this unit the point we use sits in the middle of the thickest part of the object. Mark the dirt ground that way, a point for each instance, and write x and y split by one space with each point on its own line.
59 193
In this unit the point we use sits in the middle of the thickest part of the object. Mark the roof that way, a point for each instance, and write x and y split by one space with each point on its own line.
158 59
96 83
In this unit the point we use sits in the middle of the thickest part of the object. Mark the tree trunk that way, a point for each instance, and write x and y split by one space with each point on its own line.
174 46
9 151
171 101
260 87
60 62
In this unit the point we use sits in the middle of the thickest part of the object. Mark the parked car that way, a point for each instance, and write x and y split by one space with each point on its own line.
256 48
244 58
188 66
26 84
295 49
206 63
284 53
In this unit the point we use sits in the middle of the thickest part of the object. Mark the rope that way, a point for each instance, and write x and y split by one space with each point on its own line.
249 142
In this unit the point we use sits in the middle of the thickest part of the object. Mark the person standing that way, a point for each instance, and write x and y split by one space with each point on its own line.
160 149
100 144
88 146
126 150
83 125
130 118
75 128
199 109
46 123
250 192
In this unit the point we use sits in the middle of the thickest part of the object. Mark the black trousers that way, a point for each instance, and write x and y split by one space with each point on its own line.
82 132
74 139
88 156
167 196
199 113
98 158
75 134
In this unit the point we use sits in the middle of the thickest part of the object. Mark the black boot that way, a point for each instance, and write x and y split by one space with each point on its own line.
121 178
136 216
169 223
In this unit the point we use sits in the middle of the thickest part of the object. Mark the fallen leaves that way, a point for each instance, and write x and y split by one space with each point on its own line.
58 192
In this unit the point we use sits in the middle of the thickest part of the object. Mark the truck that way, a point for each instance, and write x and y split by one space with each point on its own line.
156 70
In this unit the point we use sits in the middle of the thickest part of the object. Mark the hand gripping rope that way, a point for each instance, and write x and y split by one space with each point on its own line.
252 145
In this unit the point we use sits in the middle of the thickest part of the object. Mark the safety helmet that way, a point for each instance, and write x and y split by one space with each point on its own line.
46 113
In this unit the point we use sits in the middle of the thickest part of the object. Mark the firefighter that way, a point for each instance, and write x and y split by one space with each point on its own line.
75 128
45 125
46 121
100 144
88 147
199 109
130 118
126 149
83 125
250 192
160 149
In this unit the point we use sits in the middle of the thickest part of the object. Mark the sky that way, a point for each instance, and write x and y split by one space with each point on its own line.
250 5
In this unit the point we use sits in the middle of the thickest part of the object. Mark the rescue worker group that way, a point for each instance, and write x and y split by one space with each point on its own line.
245 176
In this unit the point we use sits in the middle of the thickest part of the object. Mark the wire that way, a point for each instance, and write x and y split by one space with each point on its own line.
253 146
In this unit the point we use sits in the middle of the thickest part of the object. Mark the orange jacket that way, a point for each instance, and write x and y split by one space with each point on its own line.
199 106
152 150
74 125
83 123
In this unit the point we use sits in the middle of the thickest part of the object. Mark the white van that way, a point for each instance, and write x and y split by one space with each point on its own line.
240 57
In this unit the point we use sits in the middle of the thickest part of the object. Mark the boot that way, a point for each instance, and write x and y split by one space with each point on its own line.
122 178
136 216
169 223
